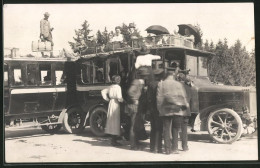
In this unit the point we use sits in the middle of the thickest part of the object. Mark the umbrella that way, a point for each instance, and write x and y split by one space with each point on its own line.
193 30
157 29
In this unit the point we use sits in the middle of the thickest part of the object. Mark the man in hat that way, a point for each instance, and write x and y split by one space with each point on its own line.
172 105
156 122
46 29
131 29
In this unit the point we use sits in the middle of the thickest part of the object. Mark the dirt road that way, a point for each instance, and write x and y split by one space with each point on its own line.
34 145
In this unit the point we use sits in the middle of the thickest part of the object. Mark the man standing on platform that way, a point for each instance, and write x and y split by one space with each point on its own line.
46 29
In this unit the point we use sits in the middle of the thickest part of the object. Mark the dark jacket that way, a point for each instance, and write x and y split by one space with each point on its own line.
172 98
151 97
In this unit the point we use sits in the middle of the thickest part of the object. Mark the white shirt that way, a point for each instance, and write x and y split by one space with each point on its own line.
117 38
145 60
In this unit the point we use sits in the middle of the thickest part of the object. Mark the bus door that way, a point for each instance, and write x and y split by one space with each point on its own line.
24 91
59 84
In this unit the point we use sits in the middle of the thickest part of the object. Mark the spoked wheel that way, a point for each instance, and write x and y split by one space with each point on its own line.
73 121
98 121
225 126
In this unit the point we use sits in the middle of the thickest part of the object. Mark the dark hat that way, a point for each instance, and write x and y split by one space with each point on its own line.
143 71
131 25
144 50
46 14
117 27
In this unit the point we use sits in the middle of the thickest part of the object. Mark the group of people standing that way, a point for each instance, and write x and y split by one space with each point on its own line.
154 92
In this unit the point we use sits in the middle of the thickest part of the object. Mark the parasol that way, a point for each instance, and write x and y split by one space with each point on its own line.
193 30
157 30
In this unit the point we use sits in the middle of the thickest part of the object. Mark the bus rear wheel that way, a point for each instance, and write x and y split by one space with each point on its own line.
225 126
98 119
73 121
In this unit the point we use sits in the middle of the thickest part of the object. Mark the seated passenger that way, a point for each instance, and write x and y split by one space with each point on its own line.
189 36
99 77
133 33
118 36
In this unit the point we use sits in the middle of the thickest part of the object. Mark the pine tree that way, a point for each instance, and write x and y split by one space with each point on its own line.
82 40
232 65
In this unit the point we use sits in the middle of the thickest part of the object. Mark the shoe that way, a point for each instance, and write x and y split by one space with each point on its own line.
185 149
134 148
159 151
116 144
167 151
175 152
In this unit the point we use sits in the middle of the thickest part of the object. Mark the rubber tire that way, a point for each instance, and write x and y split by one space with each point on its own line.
51 131
94 130
66 125
236 116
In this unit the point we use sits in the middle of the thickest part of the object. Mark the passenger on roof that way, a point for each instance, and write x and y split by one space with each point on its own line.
118 36
189 36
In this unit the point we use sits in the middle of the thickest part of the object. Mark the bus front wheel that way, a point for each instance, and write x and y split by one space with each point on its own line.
98 119
225 126
73 121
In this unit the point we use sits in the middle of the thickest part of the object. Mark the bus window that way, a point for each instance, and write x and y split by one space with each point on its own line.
112 69
87 72
59 76
45 74
203 69
98 74
31 74
192 65
17 75
5 75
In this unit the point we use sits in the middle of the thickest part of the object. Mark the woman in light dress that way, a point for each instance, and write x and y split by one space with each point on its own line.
113 94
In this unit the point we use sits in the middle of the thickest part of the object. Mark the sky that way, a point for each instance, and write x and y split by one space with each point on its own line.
232 21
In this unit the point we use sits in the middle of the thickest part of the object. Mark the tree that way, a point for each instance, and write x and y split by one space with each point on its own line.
104 37
231 65
199 31
82 40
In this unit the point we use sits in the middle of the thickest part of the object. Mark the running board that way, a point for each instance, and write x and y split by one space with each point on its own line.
35 125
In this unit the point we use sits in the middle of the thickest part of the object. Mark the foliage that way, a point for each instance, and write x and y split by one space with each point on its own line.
231 65
82 40
104 37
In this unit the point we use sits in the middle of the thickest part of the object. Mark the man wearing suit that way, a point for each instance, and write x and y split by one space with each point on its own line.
46 29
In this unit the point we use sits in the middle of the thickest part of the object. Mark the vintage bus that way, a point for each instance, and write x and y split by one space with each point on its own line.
215 108
34 89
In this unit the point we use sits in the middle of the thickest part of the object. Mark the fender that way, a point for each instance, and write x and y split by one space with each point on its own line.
63 112
100 104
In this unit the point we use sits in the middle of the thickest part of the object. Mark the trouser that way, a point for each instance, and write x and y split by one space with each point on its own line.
171 126
49 38
133 138
184 135
156 133
176 125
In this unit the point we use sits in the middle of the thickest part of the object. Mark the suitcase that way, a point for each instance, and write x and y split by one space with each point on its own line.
41 46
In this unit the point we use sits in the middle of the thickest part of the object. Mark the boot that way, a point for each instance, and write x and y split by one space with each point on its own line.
114 141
